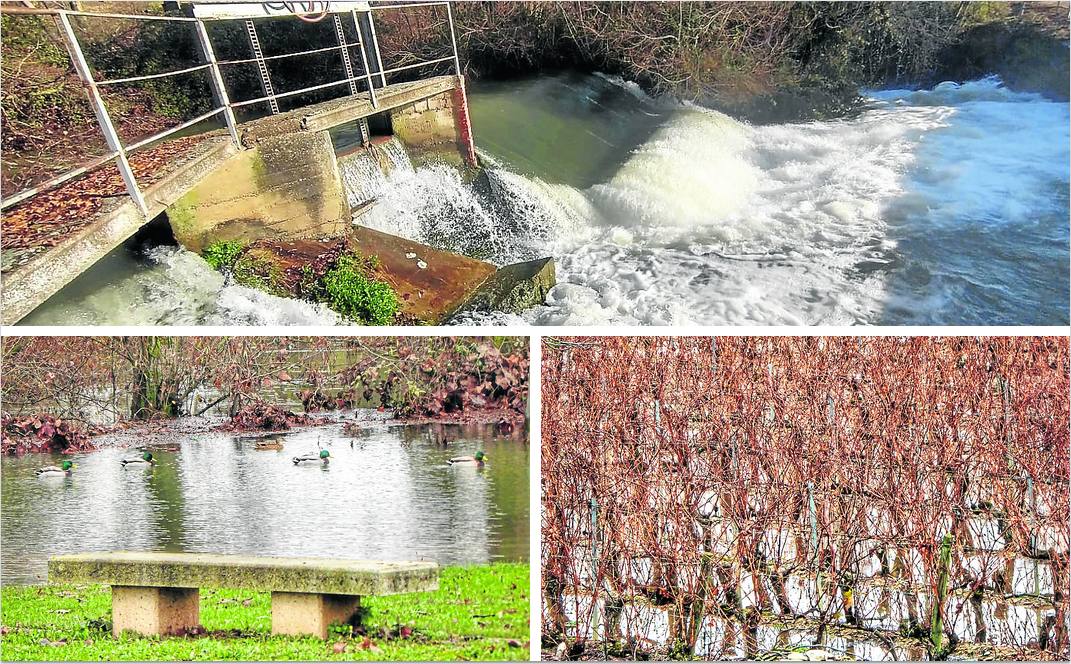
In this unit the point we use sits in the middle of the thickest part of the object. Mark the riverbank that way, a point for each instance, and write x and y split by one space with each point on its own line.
480 612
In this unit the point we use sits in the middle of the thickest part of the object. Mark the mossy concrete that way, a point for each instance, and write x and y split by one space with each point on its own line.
426 123
515 288
285 187
312 614
335 112
198 570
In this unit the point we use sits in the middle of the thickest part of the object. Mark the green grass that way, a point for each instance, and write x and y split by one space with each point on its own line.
476 614
352 293
223 254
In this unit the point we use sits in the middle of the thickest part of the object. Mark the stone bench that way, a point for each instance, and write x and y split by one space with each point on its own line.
159 593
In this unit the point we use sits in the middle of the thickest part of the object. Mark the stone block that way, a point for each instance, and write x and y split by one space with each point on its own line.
154 611
420 129
311 614
215 570
514 288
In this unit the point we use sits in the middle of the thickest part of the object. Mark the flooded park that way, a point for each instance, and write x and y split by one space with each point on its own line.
388 493
377 454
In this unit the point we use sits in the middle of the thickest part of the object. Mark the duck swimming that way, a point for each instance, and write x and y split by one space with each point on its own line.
145 460
61 470
470 460
313 458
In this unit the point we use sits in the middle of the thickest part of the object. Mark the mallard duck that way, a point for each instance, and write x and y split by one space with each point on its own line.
61 470
144 460
269 445
313 458
471 460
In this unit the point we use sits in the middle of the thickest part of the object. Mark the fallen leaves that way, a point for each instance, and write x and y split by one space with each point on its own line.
50 217
261 416
41 433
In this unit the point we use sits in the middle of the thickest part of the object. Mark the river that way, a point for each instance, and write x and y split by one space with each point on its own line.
387 494
946 206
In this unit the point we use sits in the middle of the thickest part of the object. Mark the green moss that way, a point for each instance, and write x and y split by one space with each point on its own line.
260 169
255 271
351 292
222 255
181 215
249 268
475 614
33 34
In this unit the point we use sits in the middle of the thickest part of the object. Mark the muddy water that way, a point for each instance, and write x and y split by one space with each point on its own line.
386 494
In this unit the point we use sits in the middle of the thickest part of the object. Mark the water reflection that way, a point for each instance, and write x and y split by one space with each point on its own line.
387 494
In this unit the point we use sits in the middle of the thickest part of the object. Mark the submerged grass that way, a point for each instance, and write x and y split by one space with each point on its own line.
479 612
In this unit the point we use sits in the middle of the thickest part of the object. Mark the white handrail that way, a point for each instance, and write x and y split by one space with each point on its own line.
119 151
147 17
237 104
56 181
418 64
341 81
285 55
149 76
168 132
411 4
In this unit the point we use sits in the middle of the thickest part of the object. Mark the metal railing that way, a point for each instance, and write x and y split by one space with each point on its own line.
118 151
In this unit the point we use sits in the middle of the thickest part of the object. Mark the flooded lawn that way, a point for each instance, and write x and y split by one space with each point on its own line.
387 493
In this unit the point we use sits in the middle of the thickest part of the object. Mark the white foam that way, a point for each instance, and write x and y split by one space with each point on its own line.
177 287
932 206
716 222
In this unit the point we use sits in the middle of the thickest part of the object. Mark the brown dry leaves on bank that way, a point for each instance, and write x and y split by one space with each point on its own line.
49 218
41 433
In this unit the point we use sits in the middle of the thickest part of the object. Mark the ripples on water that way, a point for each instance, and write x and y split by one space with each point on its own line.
391 496
942 206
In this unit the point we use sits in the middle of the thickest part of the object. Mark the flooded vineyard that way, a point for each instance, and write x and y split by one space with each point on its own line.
874 499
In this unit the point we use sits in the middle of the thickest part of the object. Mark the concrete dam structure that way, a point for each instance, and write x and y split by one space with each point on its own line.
275 187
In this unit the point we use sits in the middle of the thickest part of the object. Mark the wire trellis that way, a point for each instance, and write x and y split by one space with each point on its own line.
738 478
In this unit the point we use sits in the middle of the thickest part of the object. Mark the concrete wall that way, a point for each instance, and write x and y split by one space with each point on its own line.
438 123
286 186
426 123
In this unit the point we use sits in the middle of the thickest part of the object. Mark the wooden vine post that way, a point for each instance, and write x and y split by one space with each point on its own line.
937 624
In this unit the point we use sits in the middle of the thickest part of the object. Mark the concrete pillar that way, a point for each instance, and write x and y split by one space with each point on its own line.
148 610
297 614
464 127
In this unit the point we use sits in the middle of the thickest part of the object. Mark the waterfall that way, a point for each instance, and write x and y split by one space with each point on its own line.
365 172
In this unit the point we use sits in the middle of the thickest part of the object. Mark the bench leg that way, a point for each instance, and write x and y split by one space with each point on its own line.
148 610
303 614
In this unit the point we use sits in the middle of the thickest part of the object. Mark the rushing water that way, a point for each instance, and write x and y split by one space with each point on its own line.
936 206
942 206
388 496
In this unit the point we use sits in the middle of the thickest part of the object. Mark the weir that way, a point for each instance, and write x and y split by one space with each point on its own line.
286 178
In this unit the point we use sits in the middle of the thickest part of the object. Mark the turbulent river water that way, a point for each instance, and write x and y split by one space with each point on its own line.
940 206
